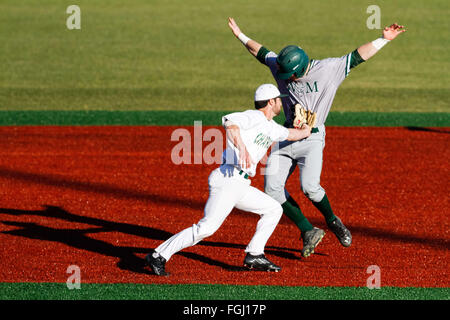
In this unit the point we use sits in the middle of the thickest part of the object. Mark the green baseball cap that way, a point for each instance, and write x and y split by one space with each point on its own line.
292 60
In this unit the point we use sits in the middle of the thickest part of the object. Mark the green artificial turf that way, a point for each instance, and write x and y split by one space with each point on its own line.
187 118
181 55
60 291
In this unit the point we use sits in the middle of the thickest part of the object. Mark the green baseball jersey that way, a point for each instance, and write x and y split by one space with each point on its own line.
315 90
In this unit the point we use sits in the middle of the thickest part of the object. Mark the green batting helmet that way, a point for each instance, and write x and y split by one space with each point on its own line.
292 61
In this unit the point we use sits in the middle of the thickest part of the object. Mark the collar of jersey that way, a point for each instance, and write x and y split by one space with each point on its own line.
262 114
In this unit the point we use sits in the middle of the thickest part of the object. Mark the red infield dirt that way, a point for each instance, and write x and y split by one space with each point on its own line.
103 197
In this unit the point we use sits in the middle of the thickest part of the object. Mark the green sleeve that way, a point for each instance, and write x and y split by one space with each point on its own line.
356 59
261 55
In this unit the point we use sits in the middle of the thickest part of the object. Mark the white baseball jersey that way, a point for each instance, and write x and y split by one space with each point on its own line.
257 132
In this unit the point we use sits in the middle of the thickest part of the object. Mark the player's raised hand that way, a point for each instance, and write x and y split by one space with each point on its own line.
234 27
391 32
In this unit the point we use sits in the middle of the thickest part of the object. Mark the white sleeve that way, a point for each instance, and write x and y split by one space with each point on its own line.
279 133
339 67
240 119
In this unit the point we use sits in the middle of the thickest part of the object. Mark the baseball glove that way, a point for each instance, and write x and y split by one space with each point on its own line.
303 116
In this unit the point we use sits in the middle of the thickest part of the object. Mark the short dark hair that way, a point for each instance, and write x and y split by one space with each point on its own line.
261 104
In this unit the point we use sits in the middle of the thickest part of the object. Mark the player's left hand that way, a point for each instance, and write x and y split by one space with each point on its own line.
391 32
303 116
245 160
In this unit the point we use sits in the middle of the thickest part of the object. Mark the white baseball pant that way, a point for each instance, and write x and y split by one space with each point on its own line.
228 189
307 154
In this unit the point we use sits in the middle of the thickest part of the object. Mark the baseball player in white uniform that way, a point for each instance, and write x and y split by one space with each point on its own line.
249 136
310 84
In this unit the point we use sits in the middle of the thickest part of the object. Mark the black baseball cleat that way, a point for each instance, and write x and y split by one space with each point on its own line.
158 264
342 233
311 239
260 262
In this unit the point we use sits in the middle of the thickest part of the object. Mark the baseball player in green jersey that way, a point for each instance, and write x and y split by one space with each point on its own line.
310 85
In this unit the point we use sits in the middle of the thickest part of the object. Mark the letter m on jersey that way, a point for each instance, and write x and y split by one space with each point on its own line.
312 88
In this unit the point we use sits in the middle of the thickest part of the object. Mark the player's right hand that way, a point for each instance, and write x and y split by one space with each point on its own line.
306 129
234 27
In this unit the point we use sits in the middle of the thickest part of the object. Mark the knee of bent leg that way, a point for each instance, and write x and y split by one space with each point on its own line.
275 192
278 210
275 209
313 191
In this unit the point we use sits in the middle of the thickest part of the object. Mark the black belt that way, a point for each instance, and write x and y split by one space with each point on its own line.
242 173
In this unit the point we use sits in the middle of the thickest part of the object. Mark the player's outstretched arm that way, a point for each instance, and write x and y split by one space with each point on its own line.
299 134
251 45
368 50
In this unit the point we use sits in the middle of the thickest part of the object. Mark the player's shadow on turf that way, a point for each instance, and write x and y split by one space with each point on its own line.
79 238
428 129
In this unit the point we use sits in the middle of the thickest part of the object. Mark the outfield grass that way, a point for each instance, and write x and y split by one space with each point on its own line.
187 118
59 291
180 54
